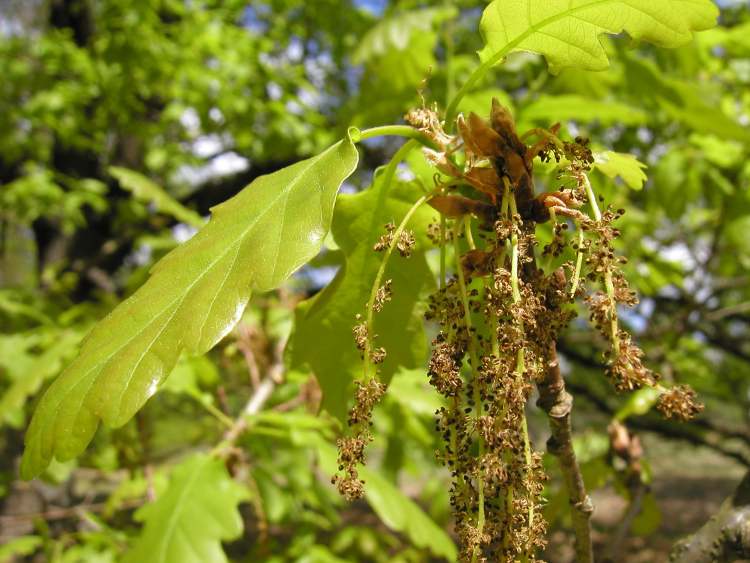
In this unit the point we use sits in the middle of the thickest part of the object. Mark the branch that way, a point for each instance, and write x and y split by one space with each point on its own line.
725 537
558 403
257 400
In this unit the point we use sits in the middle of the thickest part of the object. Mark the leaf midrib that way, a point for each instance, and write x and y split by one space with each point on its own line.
173 515
181 297
534 28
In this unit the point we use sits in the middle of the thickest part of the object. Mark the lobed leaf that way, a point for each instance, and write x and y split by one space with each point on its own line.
195 514
626 166
194 297
567 32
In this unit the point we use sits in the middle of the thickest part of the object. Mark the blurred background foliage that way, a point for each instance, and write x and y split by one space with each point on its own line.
122 123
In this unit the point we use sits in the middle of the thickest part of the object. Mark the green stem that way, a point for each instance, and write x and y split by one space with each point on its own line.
442 250
450 85
514 253
474 367
608 283
478 74
553 221
212 410
521 359
579 264
379 278
396 131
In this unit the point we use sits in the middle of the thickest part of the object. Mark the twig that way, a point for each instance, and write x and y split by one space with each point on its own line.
244 343
257 400
558 403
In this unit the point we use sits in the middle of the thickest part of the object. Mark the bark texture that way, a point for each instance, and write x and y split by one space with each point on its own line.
558 403
725 537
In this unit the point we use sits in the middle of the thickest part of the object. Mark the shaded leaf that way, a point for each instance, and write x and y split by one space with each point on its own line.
626 166
410 388
551 109
477 101
33 373
394 33
322 337
396 510
567 32
194 297
187 523
146 190
13 549
680 100
649 518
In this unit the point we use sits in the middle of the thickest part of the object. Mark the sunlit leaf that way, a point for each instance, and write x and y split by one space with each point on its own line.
323 325
626 166
146 190
567 32
195 514
194 297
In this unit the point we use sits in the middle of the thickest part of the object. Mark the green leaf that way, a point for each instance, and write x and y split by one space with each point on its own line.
649 518
396 510
696 107
188 522
567 32
394 33
194 297
146 190
410 388
551 109
322 337
626 166
477 102
18 547
34 372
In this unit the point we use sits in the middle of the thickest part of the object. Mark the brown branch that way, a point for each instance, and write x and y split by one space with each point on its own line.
558 403
725 537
